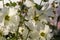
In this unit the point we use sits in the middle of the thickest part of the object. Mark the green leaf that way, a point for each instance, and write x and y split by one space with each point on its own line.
38 6
14 4
22 7
45 0
13 38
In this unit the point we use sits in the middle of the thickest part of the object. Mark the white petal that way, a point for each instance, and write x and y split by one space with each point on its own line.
58 0
6 1
37 1
28 3
1 4
47 29
43 8
5 32
51 1
12 11
43 20
49 7
15 0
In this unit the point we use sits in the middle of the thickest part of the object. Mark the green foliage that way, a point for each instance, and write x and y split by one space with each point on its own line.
45 0
38 6
11 4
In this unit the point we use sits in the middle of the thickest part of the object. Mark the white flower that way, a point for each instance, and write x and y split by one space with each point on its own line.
33 18
11 20
42 34
23 31
1 4
29 3
45 34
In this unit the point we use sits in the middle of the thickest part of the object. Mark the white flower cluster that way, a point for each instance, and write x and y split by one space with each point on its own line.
27 19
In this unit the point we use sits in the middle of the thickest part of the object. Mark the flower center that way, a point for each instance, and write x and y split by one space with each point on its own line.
7 17
36 17
42 34
22 30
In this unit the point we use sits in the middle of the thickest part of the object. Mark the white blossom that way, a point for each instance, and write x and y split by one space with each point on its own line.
34 25
45 34
10 20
